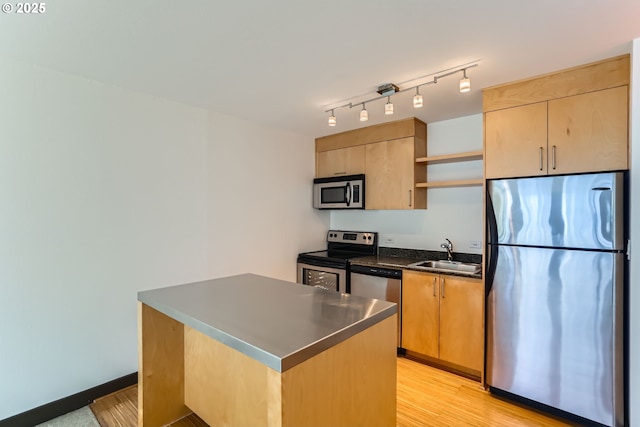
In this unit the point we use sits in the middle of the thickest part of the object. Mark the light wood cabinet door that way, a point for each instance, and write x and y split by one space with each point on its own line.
420 315
389 169
589 132
516 141
461 325
342 161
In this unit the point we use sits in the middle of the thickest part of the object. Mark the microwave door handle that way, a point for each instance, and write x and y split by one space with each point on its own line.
348 193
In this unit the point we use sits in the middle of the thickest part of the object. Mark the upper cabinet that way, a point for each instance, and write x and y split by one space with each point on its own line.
386 154
568 122
516 141
389 174
589 132
342 161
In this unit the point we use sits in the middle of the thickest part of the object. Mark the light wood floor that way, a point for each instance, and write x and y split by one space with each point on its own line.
431 397
427 397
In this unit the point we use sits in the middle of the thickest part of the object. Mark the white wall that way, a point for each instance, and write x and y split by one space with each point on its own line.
260 198
634 282
454 213
104 193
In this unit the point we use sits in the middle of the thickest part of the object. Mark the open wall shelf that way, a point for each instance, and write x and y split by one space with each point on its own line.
451 158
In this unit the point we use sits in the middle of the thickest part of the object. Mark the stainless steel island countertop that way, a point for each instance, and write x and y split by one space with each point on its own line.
275 322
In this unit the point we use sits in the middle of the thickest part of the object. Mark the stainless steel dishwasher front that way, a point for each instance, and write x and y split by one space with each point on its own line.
380 283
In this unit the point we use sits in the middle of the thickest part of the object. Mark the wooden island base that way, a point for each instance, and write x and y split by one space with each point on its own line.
182 370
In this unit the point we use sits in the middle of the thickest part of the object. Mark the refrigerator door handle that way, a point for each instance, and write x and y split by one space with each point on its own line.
492 232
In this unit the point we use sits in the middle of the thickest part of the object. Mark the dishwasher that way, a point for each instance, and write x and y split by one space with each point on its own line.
379 283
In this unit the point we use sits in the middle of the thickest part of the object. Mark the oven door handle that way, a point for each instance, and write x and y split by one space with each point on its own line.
347 193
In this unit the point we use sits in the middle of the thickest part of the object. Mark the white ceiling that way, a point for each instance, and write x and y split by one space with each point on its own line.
283 62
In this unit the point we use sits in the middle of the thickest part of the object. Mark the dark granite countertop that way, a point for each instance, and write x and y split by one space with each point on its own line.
402 258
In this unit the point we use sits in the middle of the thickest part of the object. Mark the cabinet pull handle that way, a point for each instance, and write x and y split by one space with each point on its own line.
540 157
442 287
553 157
340 173
409 198
435 279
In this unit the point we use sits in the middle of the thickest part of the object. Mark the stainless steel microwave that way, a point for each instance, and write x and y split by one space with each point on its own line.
340 192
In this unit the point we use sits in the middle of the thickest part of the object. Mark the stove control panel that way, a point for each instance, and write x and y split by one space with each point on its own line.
355 237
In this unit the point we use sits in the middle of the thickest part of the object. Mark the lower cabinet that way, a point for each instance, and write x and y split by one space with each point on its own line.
442 318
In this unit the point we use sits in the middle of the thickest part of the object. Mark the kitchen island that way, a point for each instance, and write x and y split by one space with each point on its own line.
249 350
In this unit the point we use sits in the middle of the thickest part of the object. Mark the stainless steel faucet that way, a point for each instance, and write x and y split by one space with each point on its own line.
449 247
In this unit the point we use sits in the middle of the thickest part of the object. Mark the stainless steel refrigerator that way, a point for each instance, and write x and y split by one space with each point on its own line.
555 289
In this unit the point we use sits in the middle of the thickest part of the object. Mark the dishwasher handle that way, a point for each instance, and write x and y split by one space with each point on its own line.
376 271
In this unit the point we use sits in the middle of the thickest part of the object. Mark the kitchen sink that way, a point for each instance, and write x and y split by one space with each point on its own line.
448 266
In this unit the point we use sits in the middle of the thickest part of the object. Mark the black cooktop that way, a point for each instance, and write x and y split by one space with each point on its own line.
327 254
342 246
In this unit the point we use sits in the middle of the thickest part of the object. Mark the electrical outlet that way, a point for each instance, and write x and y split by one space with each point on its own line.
475 244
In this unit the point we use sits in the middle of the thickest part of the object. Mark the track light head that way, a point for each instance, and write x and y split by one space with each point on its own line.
417 99
388 107
332 119
465 83
364 115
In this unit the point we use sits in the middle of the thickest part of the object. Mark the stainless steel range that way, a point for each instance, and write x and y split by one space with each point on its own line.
329 269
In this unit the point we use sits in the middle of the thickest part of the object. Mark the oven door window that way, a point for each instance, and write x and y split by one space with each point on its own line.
320 279
333 195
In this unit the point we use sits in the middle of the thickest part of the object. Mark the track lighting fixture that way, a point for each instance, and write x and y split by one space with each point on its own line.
364 116
417 98
332 119
389 89
388 107
465 83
